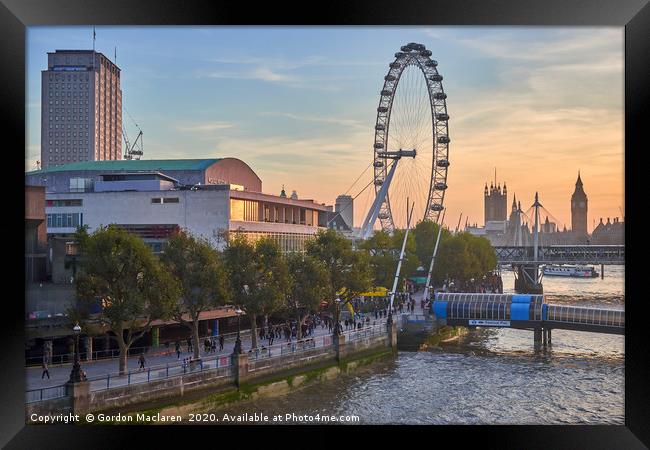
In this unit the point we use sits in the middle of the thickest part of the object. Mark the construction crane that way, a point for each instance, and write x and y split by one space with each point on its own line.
458 226
132 150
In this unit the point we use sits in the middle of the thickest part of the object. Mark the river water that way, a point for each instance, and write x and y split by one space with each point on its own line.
488 376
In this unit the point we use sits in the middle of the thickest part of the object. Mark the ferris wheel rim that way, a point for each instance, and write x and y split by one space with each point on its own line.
414 55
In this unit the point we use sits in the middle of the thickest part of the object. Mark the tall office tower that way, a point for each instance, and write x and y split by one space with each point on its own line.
81 108
345 206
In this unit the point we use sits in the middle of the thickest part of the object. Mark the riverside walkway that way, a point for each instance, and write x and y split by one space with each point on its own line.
104 373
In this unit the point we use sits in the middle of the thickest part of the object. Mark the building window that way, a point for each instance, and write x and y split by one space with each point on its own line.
81 184
170 199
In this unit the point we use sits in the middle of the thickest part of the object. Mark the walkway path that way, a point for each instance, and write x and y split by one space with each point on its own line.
101 368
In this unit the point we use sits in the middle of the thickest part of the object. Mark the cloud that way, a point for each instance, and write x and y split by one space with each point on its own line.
319 119
206 127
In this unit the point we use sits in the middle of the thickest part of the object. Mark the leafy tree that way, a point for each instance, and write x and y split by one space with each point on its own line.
384 251
464 257
309 285
135 289
349 270
201 275
258 277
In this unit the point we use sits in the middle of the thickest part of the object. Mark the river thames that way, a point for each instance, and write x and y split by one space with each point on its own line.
488 376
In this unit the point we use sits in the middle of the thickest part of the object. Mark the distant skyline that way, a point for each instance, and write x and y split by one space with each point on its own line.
298 104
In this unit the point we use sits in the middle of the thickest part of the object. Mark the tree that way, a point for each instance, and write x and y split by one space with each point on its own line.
425 235
384 251
308 287
201 276
135 289
271 283
258 277
349 270
464 257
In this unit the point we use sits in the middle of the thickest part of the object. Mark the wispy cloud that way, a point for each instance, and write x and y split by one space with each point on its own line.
319 119
206 127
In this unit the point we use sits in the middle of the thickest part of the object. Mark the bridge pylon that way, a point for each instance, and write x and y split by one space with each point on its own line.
528 279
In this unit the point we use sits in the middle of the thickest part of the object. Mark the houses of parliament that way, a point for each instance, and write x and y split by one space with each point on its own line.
517 228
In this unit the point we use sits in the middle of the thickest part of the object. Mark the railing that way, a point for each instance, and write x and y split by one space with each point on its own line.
289 347
160 372
365 333
66 358
48 393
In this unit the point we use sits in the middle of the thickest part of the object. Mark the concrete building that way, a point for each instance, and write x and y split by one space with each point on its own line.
35 235
345 207
81 108
153 198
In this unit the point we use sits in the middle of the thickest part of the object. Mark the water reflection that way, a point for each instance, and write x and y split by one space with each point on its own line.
489 376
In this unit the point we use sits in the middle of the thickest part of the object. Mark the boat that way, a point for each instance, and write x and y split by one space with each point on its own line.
570 271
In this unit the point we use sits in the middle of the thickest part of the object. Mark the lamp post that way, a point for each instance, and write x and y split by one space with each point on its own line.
337 327
237 350
76 375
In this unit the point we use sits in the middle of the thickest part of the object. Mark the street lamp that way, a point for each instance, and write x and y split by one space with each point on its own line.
76 375
337 327
237 350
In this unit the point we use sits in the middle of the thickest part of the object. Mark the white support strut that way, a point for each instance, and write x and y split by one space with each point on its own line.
371 218
401 256
433 258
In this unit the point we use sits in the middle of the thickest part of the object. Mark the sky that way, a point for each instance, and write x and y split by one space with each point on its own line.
299 105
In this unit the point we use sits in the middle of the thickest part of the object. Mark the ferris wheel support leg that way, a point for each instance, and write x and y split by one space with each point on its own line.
371 218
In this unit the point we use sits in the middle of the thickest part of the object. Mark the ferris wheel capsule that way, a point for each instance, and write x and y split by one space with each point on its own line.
437 77
437 207
443 140
443 163
443 117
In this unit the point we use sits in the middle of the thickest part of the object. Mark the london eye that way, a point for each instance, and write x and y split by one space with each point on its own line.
412 129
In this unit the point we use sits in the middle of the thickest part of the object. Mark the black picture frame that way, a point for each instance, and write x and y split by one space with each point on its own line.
634 15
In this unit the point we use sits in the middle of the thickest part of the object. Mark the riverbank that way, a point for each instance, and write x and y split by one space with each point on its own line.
273 370
208 405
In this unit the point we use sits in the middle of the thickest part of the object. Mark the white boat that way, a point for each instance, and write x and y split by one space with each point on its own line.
570 271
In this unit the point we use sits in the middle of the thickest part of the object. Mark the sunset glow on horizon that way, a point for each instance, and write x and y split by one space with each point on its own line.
298 104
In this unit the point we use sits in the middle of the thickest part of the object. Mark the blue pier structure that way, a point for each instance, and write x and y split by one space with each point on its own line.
524 311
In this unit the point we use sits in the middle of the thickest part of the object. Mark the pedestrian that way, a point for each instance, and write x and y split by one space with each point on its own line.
346 323
213 346
221 342
141 361
189 345
45 370
178 350
184 365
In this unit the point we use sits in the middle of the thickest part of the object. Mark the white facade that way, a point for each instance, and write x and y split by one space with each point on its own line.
203 213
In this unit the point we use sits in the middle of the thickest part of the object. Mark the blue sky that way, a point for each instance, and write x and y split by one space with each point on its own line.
299 104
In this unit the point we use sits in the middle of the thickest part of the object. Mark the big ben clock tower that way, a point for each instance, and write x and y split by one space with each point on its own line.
579 209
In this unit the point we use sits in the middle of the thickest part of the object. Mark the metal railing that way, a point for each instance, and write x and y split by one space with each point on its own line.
289 347
67 358
365 332
48 393
159 372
